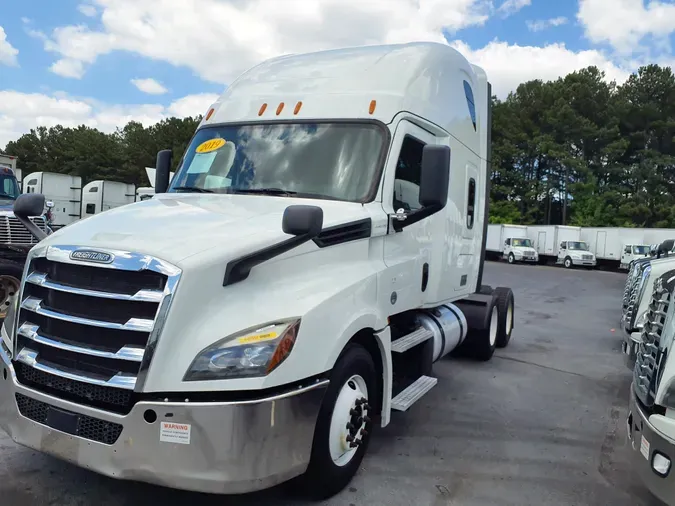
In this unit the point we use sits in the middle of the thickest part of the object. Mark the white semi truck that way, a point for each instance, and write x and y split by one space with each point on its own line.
319 248
637 296
651 415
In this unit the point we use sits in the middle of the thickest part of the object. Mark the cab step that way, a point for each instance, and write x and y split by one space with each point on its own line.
413 393
403 344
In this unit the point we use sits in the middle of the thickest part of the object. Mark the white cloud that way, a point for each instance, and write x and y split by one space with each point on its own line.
19 112
87 9
218 39
509 7
542 24
150 86
7 51
624 23
68 68
509 65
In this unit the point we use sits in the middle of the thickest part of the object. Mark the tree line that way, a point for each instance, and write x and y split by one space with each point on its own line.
578 150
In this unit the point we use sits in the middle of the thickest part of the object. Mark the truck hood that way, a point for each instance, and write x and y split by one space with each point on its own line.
174 227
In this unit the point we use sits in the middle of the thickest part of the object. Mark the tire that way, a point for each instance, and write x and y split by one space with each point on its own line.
507 309
327 475
10 282
480 344
568 263
512 259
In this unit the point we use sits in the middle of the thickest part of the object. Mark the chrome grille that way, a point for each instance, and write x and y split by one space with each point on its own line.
12 230
587 257
649 353
629 284
630 307
85 332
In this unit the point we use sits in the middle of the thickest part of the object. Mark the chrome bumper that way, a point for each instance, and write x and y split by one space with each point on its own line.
586 263
644 442
215 447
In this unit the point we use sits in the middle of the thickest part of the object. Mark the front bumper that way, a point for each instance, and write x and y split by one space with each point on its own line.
225 447
646 442
585 263
523 258
629 346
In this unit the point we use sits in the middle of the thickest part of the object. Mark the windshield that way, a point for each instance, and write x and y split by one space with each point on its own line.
318 160
522 242
578 245
9 189
641 250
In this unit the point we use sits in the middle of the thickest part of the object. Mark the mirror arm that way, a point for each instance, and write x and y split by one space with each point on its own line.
415 216
239 268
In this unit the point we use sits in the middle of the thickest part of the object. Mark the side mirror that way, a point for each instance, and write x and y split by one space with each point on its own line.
163 170
665 247
302 221
27 205
435 176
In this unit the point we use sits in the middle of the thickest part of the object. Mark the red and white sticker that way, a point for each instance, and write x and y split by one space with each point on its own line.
644 447
171 432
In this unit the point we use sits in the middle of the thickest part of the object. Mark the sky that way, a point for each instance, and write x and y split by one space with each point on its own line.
103 63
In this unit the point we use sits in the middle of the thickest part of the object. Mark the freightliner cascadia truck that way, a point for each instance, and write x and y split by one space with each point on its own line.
319 247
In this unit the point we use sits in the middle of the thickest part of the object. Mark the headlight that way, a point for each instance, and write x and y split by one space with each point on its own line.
643 284
251 353
640 322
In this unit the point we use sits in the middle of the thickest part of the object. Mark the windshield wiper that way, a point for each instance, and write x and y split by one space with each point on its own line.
193 189
264 191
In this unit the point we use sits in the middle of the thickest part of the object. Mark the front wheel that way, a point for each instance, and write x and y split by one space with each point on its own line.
10 281
344 425
512 259
568 263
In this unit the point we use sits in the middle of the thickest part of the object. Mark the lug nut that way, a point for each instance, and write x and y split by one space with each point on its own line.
366 419
350 438
364 432
350 426
353 412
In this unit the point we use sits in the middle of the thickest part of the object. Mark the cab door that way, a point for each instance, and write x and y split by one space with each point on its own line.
407 247
627 254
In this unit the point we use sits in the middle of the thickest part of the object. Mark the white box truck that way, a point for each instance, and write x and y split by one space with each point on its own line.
231 337
510 242
546 239
64 190
617 246
99 196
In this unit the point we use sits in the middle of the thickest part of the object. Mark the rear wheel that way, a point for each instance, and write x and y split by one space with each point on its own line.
481 342
343 428
506 307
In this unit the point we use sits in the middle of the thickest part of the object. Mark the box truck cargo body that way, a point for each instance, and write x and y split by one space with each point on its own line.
618 246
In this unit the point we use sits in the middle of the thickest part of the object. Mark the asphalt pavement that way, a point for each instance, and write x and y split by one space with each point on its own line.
542 423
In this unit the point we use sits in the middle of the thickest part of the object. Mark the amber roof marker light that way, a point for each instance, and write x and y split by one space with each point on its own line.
373 104
262 109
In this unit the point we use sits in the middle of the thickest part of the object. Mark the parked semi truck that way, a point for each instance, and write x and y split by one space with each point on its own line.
651 415
15 239
71 201
637 296
319 248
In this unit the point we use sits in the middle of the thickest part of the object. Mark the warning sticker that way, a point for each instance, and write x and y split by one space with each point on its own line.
178 433
210 145
644 448
257 338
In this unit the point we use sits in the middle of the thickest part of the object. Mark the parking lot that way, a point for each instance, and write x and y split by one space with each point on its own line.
541 424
